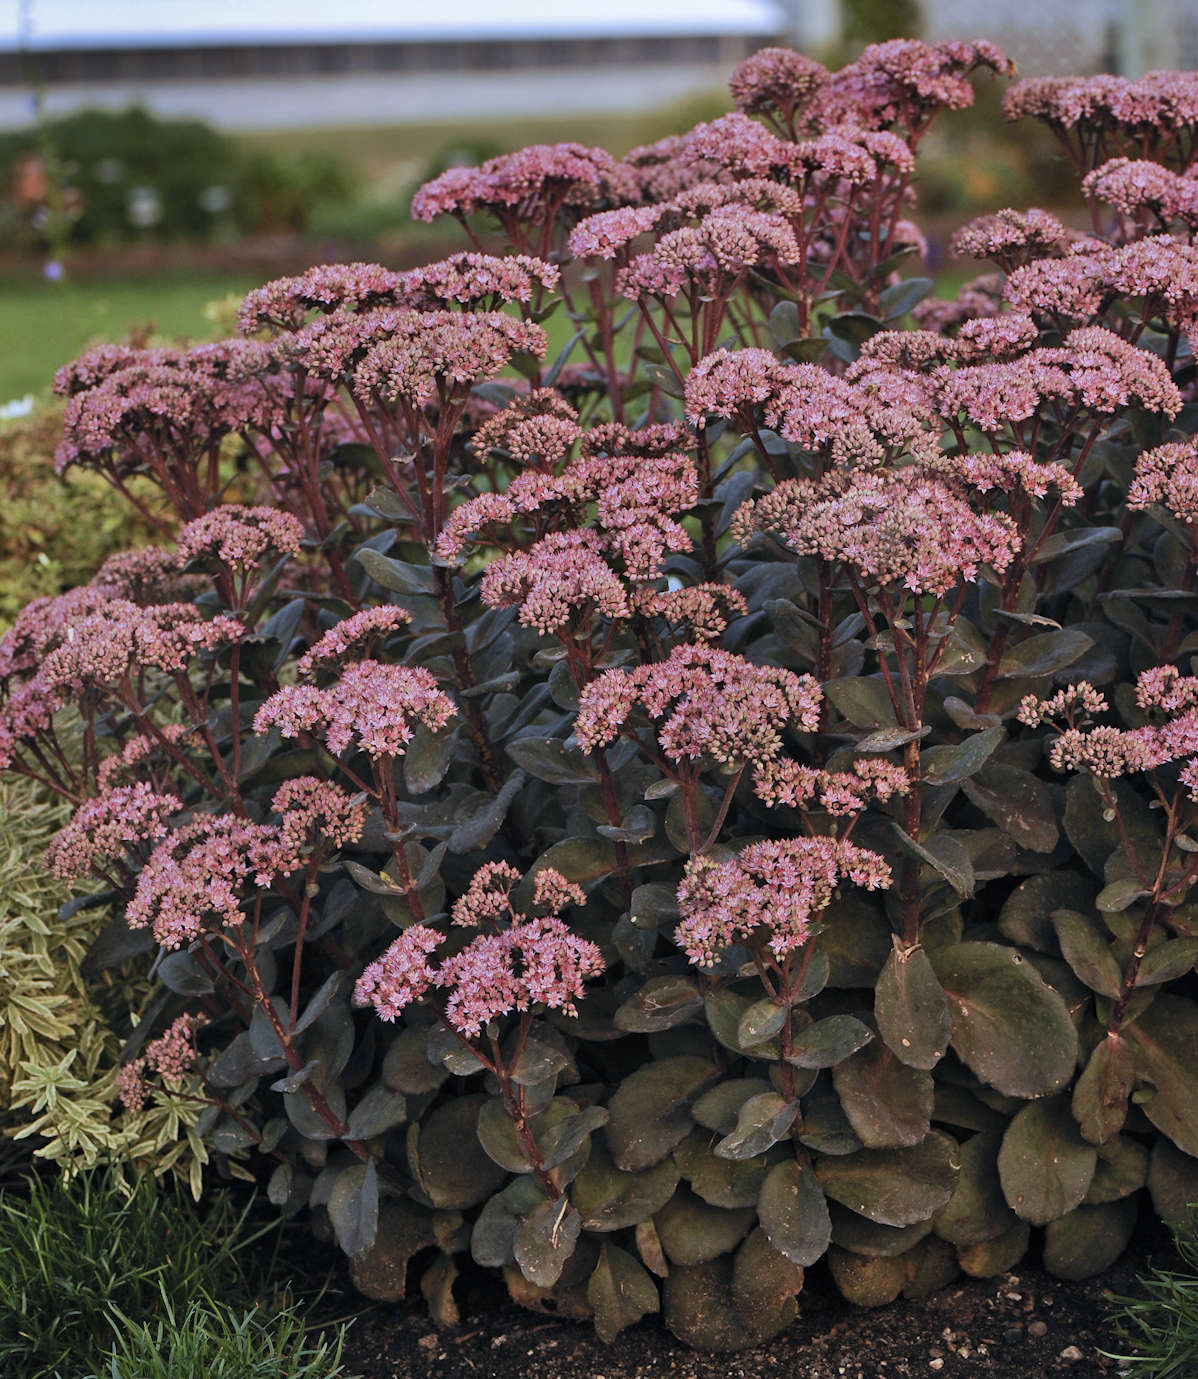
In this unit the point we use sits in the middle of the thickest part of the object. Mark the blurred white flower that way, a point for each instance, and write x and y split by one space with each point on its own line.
18 407
144 207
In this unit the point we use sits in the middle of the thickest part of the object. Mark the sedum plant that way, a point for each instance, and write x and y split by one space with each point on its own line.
705 800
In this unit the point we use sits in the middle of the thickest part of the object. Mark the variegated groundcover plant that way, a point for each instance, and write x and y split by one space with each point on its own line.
708 799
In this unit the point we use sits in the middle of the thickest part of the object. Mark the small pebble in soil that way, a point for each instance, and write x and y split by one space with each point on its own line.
1037 1329
937 1363
1070 1355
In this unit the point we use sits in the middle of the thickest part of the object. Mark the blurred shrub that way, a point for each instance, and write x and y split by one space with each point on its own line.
54 530
131 174
876 21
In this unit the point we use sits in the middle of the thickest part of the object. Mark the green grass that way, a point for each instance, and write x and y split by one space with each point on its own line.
200 1337
45 325
85 1267
1159 1330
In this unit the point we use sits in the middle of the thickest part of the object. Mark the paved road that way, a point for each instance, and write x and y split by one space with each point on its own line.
266 103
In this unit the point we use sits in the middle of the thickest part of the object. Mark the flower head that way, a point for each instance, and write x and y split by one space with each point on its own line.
524 958
353 637
771 892
238 537
287 303
373 707
1168 475
104 829
316 815
199 874
908 531
706 704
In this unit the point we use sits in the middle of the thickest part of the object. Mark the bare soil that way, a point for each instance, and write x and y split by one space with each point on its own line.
1022 1325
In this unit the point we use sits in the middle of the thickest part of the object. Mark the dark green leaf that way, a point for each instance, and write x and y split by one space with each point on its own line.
1089 1239
1009 1028
1164 1040
762 1121
1045 654
650 1110
948 765
661 1003
1044 1165
396 575
545 1240
354 1208
794 1213
1019 803
887 1103
620 1292
1086 948
911 1008
828 1041
549 759
760 1023
1101 1094
895 1187
897 300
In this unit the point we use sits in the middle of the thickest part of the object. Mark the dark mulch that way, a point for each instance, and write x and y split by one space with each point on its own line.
1021 1325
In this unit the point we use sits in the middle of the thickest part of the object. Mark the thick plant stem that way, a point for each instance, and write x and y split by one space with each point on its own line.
467 680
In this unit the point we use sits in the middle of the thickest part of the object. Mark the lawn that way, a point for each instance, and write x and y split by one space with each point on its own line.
44 325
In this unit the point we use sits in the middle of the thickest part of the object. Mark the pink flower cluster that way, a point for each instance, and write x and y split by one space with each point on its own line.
1108 752
1154 111
1081 285
172 1056
864 418
443 348
979 298
703 610
1168 475
705 703
1137 186
103 829
316 816
477 279
371 706
905 83
1012 238
358 634
103 649
841 794
528 958
534 181
904 530
287 303
197 875
563 577
538 430
237 537
776 82
634 496
769 892
147 575
710 255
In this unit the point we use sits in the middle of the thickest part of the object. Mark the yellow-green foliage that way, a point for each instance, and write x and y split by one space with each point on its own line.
55 532
60 1036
